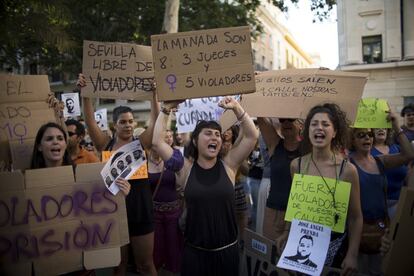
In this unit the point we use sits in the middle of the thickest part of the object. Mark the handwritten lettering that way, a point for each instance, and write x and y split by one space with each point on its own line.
20 246
15 88
49 208
186 42
115 50
121 84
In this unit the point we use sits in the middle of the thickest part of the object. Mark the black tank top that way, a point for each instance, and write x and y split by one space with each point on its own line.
209 196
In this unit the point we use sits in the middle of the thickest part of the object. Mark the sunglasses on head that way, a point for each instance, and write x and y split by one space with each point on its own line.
70 133
282 120
361 135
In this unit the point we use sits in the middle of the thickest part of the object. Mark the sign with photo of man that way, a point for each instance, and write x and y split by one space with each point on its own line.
306 248
72 106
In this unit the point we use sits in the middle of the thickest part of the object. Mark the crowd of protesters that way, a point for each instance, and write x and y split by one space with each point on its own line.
204 188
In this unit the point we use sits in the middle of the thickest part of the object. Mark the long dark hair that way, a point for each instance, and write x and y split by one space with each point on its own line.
192 148
38 161
338 119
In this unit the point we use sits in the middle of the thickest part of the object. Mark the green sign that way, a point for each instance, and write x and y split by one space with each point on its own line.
371 114
312 199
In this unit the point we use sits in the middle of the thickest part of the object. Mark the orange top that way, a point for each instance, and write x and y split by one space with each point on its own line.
85 156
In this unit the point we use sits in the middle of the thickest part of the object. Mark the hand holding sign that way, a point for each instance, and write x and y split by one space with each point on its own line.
372 113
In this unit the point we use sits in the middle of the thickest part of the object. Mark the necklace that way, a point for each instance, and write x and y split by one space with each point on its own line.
157 163
332 192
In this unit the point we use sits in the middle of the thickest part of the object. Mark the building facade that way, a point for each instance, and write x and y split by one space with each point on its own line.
275 48
377 37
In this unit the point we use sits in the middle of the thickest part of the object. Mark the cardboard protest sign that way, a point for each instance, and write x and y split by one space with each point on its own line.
399 260
49 222
372 114
260 256
117 70
323 201
193 110
72 106
122 164
203 63
23 109
23 88
292 93
306 248
101 118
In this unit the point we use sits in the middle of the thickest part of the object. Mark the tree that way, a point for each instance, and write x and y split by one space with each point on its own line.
50 33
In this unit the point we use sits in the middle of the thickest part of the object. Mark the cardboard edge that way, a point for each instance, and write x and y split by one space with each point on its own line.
108 257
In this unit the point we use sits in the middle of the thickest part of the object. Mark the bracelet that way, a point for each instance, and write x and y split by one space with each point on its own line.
165 110
241 116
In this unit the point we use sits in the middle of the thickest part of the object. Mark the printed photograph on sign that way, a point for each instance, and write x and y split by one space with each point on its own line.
306 248
372 113
197 64
101 118
72 106
123 163
323 201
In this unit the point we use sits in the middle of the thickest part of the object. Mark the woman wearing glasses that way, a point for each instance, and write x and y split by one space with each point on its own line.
373 182
324 138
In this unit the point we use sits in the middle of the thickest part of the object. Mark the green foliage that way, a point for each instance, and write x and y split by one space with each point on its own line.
50 33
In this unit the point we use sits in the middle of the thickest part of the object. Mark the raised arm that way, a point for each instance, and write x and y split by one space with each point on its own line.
164 150
407 150
99 138
268 131
250 134
146 137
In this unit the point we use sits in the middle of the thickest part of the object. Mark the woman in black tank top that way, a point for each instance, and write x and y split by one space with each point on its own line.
207 182
324 138
139 201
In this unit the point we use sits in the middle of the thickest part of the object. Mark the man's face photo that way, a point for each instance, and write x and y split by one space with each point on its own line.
70 105
128 159
137 154
120 165
305 247
114 173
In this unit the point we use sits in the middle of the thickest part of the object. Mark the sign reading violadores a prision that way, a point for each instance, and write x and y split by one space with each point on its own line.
203 63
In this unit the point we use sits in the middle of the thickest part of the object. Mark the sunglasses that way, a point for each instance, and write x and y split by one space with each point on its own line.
282 120
361 135
70 133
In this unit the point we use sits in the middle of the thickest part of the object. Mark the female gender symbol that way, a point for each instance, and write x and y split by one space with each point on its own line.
171 79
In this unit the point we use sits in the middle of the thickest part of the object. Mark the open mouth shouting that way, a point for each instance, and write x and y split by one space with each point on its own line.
212 147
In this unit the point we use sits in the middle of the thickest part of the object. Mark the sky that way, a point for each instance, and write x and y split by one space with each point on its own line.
320 37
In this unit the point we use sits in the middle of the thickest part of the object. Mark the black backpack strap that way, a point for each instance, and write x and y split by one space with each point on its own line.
341 169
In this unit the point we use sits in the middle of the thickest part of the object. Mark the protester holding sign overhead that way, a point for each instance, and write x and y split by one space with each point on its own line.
324 137
396 177
139 201
373 182
208 186
282 151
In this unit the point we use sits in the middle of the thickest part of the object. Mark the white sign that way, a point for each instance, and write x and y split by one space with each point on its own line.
72 107
101 118
306 247
122 164
194 110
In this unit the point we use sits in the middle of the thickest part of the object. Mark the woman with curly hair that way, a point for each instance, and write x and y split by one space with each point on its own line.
324 138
